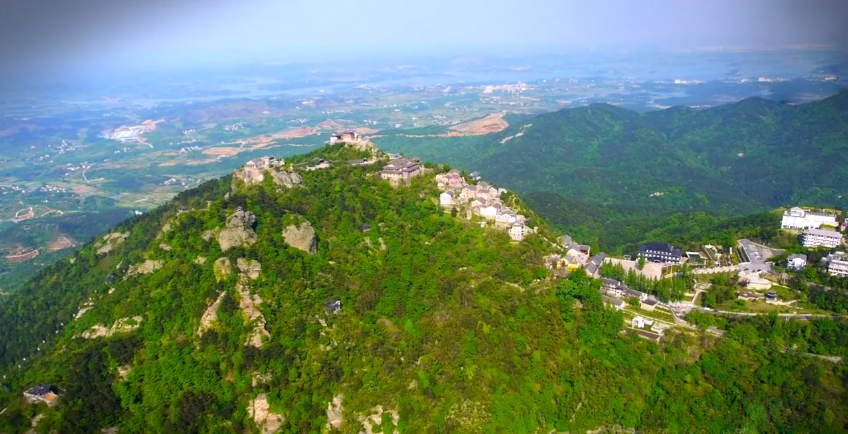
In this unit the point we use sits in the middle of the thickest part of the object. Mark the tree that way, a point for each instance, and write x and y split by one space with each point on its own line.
641 262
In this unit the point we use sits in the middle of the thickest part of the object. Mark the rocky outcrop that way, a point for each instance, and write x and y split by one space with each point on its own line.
301 237
145 267
248 268
165 247
210 315
257 379
362 145
165 229
200 260
111 241
239 231
122 325
222 268
259 410
256 171
84 307
285 179
334 413
248 303
377 419
249 176
124 372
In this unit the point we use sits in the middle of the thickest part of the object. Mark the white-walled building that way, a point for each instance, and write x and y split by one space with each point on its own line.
796 262
446 199
489 212
837 264
819 237
518 231
797 218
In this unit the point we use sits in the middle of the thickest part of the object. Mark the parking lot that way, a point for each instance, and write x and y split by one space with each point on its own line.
757 256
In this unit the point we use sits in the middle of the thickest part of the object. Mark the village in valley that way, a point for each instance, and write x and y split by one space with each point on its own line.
760 272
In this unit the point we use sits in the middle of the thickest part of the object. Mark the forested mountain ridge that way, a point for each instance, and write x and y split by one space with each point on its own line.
749 156
216 313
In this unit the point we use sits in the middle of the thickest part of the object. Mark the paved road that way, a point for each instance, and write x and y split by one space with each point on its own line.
800 316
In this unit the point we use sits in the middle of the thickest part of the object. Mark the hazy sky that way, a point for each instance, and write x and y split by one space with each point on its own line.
55 33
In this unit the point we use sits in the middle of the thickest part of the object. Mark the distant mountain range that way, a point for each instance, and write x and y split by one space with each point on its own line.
734 159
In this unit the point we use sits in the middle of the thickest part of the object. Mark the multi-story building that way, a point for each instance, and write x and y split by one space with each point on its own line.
446 199
518 231
797 218
821 238
401 169
837 264
663 253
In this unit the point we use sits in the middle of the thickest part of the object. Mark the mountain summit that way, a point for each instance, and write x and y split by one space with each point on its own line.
323 298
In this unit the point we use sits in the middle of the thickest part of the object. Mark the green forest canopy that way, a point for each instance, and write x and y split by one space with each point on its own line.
449 326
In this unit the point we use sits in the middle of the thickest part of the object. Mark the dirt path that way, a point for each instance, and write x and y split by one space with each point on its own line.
492 123
52 211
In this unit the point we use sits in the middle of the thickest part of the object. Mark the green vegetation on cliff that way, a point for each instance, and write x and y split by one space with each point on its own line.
446 326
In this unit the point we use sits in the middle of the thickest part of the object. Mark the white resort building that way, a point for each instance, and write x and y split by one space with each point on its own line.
818 237
797 218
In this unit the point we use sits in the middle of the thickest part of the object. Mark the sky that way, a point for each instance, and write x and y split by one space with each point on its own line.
58 34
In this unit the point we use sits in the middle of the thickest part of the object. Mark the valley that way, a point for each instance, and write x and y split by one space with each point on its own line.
124 154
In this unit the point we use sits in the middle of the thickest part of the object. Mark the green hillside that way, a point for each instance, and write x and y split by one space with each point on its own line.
214 314
741 158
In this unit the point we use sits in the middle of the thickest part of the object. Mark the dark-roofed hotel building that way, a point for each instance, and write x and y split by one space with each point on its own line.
663 253
401 169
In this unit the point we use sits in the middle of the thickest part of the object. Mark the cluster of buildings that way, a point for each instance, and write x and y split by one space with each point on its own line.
65 147
482 199
258 165
576 255
820 229
617 289
47 188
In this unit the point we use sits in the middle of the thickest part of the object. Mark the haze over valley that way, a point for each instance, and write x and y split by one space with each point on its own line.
532 217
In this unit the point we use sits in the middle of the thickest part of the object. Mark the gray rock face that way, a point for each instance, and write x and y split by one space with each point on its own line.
111 241
145 267
210 315
285 179
249 268
239 231
281 177
222 268
301 237
259 410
